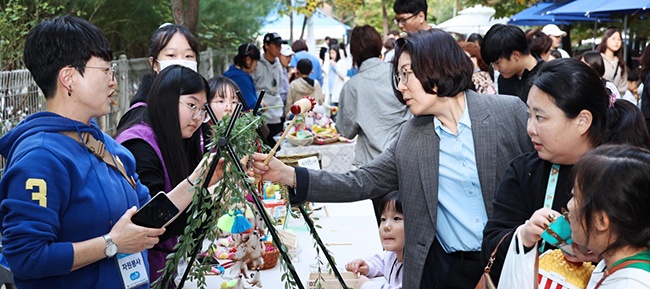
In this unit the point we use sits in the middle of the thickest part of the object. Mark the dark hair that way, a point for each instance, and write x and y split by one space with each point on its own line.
60 42
574 86
474 50
299 45
633 74
246 50
391 200
335 48
304 66
365 43
555 53
595 61
644 63
410 6
614 179
626 125
538 42
389 44
220 84
437 61
501 40
164 34
602 47
475 37
162 112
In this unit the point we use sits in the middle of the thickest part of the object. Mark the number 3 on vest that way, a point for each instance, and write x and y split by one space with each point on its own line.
41 195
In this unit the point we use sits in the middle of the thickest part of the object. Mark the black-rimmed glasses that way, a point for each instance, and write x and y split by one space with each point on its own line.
403 20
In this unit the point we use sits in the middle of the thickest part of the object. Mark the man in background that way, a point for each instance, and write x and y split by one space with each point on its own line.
411 15
556 35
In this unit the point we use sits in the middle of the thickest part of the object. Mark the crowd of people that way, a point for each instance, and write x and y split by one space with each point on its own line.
464 146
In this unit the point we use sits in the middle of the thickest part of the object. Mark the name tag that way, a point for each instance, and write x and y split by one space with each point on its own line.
132 269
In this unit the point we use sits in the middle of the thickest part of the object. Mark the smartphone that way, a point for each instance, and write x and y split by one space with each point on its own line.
158 212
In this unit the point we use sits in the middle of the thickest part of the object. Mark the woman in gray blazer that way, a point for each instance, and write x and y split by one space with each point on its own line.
446 162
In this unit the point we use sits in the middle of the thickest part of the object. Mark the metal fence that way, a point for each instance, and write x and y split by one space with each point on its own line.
20 96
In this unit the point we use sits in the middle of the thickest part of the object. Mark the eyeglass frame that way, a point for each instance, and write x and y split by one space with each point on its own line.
110 68
397 78
403 21
198 112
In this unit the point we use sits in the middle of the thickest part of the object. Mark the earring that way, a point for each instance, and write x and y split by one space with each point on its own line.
70 90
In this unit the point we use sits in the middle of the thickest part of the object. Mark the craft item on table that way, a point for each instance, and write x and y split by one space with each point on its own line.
301 138
233 284
555 271
234 222
325 134
290 240
255 279
329 281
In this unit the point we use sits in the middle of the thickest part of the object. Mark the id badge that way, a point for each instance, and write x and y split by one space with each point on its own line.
132 269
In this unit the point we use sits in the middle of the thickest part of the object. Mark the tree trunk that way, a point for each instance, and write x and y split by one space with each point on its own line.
186 13
290 23
384 15
302 31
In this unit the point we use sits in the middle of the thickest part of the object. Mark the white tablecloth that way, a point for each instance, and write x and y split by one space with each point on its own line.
336 157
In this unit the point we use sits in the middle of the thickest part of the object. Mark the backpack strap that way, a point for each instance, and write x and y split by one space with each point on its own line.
98 148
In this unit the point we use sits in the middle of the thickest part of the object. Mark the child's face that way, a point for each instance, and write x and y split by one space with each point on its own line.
391 230
631 85
223 104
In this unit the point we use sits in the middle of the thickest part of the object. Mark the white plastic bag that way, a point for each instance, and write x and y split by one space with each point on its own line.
518 268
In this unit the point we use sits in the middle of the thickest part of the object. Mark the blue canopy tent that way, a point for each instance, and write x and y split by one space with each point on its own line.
628 7
538 14
605 8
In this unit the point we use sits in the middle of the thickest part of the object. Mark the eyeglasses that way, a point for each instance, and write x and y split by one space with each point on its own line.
106 69
222 103
397 21
197 112
401 76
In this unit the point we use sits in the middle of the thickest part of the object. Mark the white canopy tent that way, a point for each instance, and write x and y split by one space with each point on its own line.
318 27
477 19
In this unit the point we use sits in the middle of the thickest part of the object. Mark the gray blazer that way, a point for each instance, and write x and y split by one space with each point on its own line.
410 164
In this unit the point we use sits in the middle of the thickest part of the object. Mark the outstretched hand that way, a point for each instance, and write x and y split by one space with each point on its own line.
275 170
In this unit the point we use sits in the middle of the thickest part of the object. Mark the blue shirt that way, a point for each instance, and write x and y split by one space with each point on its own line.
245 83
461 209
316 71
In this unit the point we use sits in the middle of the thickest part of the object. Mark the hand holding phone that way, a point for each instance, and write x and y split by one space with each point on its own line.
158 212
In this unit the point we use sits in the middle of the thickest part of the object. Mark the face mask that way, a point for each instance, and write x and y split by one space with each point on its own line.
191 64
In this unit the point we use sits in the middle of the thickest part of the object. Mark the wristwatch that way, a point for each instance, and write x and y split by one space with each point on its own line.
111 248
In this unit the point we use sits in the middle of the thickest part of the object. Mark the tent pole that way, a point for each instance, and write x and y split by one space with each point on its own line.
625 32
593 43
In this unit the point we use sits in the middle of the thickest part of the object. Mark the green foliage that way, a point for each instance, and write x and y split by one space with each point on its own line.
17 17
127 24
206 206
225 24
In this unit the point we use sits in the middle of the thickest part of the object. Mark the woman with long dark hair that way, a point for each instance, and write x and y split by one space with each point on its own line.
611 47
167 143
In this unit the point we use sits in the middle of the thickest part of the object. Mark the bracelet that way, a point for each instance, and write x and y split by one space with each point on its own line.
190 182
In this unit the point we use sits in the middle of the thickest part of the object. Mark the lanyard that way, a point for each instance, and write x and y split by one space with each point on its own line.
550 192
619 266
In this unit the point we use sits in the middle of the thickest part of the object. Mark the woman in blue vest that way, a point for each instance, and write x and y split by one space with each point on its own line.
166 143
